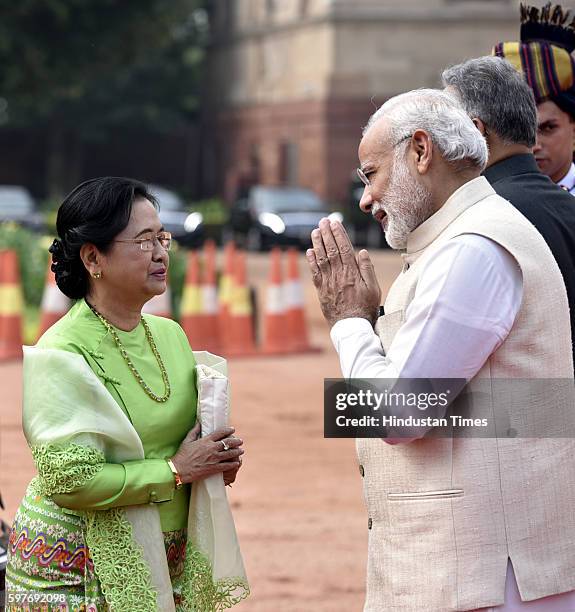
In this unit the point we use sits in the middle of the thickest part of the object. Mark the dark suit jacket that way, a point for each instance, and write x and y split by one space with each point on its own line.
550 209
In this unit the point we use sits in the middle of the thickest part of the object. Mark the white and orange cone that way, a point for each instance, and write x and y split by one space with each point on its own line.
209 300
54 303
191 306
225 294
275 332
240 339
11 307
295 306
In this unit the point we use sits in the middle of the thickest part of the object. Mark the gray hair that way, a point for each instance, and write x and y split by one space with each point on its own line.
492 90
441 116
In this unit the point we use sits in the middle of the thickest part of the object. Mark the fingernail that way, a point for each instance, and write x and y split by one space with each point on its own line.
316 233
333 224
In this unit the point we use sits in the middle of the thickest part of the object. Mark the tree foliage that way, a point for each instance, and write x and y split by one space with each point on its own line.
84 67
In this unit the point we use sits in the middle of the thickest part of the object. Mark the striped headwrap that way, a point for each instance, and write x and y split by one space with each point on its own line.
544 54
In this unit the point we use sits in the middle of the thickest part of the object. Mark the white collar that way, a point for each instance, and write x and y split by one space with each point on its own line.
568 181
460 200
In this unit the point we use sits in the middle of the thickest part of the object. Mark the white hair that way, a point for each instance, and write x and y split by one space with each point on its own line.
442 117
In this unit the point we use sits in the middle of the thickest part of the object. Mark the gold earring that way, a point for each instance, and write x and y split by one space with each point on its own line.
97 275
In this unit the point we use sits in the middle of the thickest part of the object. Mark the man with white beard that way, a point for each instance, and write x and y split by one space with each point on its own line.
481 298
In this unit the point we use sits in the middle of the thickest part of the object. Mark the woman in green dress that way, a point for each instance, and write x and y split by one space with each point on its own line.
110 415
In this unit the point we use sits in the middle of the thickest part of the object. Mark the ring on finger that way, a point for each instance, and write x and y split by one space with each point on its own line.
226 445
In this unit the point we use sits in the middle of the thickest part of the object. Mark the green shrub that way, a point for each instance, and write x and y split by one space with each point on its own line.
32 251
214 211
49 209
177 276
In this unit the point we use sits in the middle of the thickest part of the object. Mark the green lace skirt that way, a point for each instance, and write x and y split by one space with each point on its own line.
49 565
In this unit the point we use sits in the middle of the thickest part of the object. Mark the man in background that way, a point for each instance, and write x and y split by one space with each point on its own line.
543 56
501 105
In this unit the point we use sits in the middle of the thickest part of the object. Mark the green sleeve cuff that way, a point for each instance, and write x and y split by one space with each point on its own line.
151 479
127 484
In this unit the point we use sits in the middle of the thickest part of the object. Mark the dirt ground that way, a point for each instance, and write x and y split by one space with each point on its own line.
297 503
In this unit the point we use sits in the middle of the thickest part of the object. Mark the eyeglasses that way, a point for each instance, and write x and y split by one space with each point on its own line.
363 178
360 172
147 244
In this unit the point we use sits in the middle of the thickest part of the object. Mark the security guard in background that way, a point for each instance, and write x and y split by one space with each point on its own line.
544 56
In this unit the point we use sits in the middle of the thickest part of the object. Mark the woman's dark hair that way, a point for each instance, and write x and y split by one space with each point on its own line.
96 211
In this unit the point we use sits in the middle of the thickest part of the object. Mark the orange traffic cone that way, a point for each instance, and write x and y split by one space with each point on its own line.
160 305
295 310
275 333
241 330
225 294
191 307
11 307
209 295
54 303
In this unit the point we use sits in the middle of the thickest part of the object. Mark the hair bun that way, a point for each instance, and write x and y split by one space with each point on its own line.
57 249
69 272
60 263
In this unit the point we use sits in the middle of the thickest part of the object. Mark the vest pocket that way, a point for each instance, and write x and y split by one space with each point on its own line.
441 494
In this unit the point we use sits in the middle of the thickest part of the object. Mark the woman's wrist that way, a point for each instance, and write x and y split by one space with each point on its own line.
177 477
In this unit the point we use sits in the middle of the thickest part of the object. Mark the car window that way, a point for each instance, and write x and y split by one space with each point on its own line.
277 200
170 203
168 200
15 201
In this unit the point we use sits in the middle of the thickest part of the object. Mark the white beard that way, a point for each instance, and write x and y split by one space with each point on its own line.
406 202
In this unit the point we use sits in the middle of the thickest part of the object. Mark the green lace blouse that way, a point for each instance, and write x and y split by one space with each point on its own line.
161 426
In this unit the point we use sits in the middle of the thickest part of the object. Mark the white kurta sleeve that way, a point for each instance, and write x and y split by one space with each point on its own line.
464 306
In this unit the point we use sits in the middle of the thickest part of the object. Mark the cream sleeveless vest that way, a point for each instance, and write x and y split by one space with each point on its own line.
472 502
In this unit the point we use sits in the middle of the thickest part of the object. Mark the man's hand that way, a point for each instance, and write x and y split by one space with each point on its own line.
346 287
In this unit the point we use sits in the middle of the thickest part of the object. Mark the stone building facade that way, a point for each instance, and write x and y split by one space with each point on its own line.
292 82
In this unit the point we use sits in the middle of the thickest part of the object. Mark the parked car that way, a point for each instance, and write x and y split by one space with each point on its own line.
186 227
277 216
18 206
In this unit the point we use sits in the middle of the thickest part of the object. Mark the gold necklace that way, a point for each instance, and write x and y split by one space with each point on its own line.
124 353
